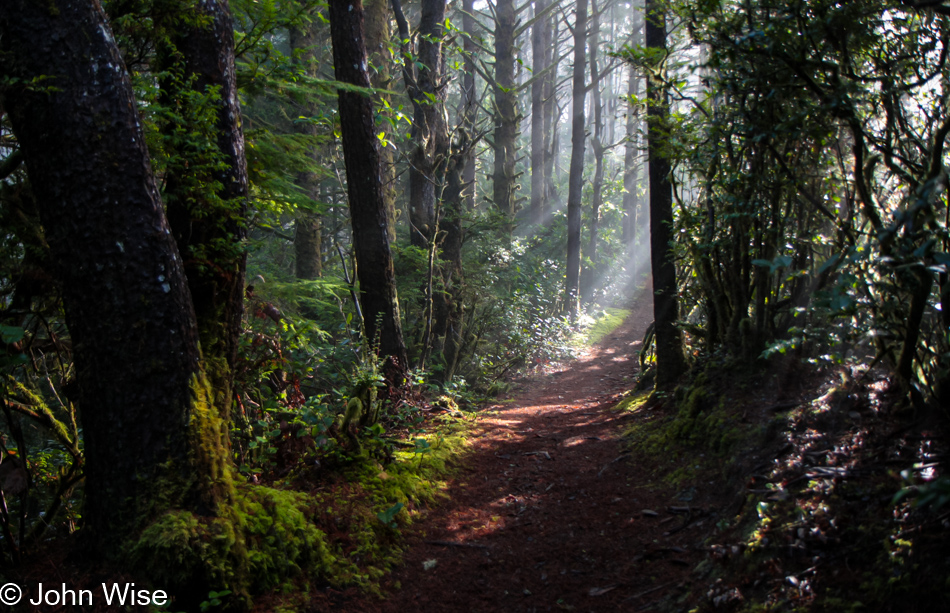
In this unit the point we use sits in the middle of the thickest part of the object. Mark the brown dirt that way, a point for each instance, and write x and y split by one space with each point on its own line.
547 514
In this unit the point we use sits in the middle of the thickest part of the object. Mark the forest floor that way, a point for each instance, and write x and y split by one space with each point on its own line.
547 513
757 486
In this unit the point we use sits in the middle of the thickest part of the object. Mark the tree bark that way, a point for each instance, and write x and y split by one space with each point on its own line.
540 50
576 176
209 226
631 170
469 110
152 440
308 260
670 358
588 276
506 112
374 263
549 120
425 75
377 30
448 303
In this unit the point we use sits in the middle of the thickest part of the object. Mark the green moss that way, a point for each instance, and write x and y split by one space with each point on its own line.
266 538
281 539
632 402
697 423
608 321
257 539
211 447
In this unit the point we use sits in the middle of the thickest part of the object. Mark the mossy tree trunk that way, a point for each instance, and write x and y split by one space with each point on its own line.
469 102
153 442
206 185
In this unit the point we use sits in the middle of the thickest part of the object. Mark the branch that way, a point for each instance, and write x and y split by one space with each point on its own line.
9 164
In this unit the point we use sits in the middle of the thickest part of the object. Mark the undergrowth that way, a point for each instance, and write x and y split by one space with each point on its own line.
800 470
360 503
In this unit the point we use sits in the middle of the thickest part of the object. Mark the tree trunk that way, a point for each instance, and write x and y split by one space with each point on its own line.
576 177
550 105
670 358
374 263
209 226
631 170
506 112
308 262
589 276
377 30
540 50
425 75
449 309
152 440
469 102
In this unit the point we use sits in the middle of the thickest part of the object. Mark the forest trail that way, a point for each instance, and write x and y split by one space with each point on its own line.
546 514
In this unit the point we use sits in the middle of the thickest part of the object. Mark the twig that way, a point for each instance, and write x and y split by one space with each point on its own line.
621 456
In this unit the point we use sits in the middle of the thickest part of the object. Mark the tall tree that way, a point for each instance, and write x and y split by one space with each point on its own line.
374 263
208 223
424 72
597 144
377 30
576 176
505 111
308 261
469 102
631 170
670 356
153 442
540 53
551 113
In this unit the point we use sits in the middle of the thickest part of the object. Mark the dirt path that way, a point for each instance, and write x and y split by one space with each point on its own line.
547 514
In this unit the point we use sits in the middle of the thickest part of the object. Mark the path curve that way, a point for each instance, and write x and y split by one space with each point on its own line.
545 515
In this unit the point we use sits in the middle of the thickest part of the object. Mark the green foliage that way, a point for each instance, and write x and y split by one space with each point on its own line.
933 495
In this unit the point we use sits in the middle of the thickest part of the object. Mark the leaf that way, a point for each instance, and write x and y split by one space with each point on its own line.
429 564
11 334
389 514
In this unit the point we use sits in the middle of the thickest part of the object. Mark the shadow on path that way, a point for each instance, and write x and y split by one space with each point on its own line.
545 515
